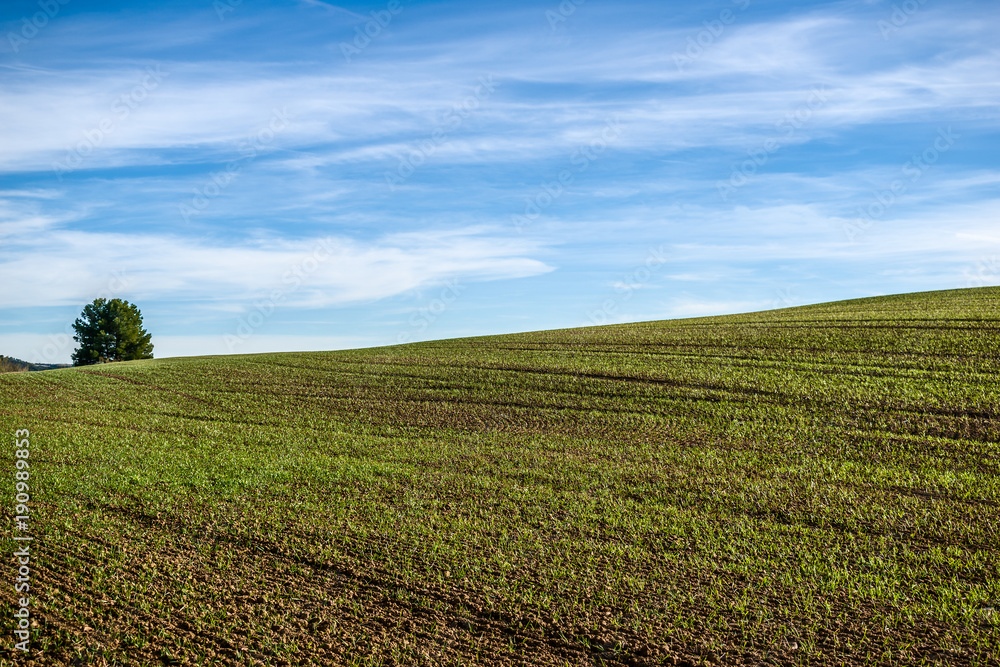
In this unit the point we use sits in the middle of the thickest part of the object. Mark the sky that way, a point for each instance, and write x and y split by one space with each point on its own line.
271 176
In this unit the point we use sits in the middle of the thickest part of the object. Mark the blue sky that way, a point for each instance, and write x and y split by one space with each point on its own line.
267 176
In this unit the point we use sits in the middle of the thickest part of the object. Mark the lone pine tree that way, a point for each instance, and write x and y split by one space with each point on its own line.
110 331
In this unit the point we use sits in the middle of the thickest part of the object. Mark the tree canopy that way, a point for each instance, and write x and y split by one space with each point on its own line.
110 331
12 365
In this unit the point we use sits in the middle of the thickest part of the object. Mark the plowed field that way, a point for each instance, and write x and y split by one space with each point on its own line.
816 485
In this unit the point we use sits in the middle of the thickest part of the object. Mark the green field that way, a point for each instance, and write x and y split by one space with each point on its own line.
815 485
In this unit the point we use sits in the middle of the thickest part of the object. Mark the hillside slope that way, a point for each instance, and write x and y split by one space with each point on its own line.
816 485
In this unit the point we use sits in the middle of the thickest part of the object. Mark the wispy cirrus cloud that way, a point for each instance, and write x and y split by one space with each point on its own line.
368 112
62 266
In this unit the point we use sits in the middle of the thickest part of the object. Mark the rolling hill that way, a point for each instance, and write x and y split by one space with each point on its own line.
816 485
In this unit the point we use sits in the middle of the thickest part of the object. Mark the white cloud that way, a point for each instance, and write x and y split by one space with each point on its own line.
188 346
56 348
67 267
694 308
373 112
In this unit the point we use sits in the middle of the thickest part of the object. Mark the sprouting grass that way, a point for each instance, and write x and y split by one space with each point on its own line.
816 485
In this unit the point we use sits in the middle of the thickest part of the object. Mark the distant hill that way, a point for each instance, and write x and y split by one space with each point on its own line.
14 365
